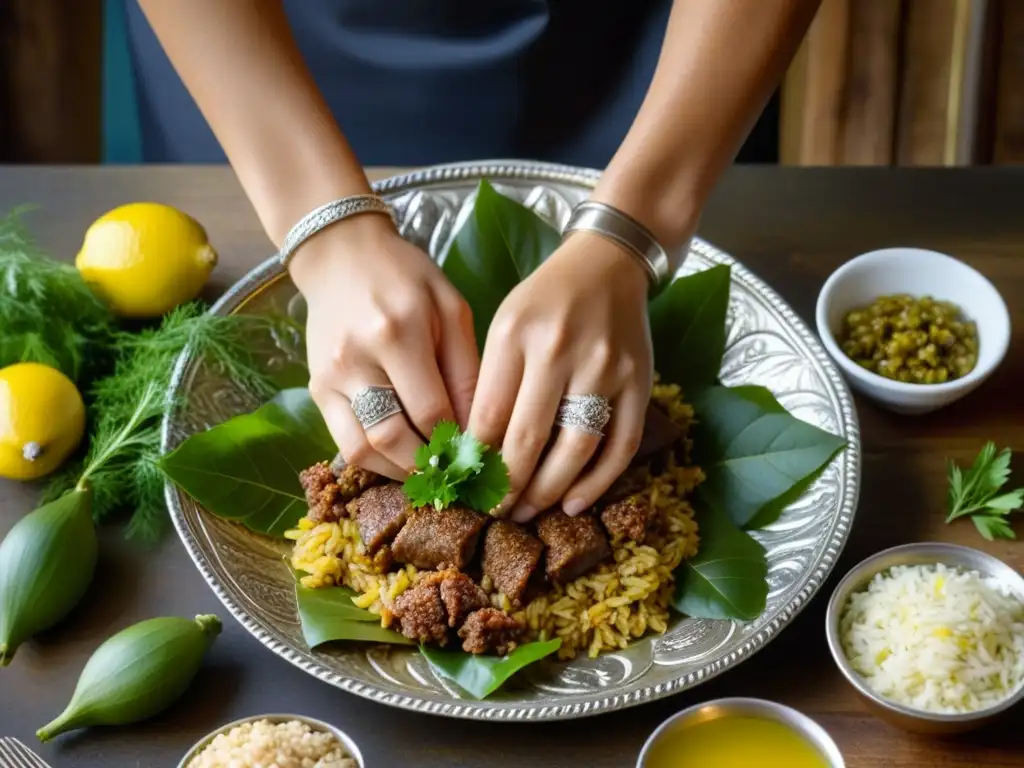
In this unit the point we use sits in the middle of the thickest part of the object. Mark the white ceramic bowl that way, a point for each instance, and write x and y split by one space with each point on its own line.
920 273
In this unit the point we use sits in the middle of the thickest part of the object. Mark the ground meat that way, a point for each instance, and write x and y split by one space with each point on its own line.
323 495
353 480
628 519
575 544
511 555
381 512
421 614
433 538
459 593
490 629
327 493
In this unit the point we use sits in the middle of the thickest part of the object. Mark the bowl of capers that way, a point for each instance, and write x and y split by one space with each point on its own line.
912 329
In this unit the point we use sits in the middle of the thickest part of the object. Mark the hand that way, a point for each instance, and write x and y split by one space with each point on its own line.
578 325
381 313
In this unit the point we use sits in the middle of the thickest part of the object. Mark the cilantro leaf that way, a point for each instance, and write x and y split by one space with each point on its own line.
486 490
976 493
455 466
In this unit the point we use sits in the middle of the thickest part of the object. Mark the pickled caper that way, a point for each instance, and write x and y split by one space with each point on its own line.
915 340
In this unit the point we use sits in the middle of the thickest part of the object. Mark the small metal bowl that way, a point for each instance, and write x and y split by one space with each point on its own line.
317 725
769 710
924 553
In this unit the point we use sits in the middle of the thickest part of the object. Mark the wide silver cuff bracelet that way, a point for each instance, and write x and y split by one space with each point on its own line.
611 223
328 214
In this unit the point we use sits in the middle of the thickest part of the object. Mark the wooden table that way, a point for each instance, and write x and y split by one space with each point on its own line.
792 227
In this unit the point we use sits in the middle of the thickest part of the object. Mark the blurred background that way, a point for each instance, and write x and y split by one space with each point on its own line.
877 82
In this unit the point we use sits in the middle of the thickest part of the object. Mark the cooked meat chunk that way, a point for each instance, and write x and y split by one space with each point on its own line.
421 615
353 480
511 555
433 538
660 433
575 544
459 594
628 519
490 629
323 495
381 512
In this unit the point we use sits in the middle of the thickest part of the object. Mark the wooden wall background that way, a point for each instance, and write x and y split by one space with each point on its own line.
877 82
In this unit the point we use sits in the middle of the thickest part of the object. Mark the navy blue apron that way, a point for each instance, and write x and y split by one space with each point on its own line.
416 82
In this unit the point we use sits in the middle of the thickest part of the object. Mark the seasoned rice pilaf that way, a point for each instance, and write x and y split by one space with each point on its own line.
604 609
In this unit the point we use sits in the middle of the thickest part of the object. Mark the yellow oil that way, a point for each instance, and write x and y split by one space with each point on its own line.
734 742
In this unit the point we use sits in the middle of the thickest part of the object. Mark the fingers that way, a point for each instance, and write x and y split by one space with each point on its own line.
529 431
565 461
457 354
412 370
500 375
393 438
624 434
350 438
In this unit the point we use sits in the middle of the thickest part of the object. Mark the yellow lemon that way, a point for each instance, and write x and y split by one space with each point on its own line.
144 259
42 418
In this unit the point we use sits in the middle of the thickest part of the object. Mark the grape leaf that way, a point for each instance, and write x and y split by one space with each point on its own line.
328 614
480 675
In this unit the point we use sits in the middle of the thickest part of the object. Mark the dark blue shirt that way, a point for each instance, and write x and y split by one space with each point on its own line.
413 82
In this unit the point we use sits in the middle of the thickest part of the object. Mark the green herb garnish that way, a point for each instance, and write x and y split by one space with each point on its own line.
121 467
48 314
455 466
976 493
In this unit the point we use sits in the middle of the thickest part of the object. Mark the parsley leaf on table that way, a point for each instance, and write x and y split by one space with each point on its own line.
455 466
976 493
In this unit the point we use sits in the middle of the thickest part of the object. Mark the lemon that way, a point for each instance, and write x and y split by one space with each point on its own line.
144 259
42 418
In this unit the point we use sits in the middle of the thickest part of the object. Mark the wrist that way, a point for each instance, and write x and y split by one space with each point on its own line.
605 262
345 241
668 205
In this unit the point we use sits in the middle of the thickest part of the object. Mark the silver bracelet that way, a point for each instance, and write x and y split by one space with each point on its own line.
328 214
611 223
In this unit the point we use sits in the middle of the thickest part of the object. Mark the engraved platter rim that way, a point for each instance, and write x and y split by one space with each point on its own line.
806 565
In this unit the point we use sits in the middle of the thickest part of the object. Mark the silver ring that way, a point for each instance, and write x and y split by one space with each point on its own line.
587 413
372 405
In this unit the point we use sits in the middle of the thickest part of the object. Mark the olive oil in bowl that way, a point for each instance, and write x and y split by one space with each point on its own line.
740 733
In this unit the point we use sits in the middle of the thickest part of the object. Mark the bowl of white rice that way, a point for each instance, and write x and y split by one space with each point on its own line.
931 636
275 741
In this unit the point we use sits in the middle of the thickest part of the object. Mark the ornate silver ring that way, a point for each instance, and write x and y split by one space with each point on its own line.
587 413
372 405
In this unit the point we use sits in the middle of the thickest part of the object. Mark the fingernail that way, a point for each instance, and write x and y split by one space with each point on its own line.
573 507
523 513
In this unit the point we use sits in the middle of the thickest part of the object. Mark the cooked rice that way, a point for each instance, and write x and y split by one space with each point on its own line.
936 638
602 610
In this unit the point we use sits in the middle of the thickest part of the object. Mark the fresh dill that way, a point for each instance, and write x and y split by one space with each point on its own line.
121 465
47 312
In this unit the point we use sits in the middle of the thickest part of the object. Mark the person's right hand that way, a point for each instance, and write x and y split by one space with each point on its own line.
381 313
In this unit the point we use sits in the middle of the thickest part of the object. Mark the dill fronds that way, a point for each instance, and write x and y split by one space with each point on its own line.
121 464
47 312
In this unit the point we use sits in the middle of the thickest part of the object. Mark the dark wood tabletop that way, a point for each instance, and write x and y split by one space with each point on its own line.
792 227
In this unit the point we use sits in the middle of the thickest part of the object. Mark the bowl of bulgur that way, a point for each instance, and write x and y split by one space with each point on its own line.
275 741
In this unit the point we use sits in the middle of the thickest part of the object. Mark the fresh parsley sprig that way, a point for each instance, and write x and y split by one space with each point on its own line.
455 466
976 493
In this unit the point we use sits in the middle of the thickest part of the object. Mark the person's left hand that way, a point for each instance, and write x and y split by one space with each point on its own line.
578 325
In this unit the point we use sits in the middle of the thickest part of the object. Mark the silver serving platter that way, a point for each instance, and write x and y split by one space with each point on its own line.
767 344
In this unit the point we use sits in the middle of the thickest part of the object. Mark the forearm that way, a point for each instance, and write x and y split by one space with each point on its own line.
239 61
719 65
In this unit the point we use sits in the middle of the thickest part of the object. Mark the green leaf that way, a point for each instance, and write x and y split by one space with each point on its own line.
499 245
726 579
247 469
444 432
485 490
481 675
993 527
464 455
688 328
752 451
328 614
1007 502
